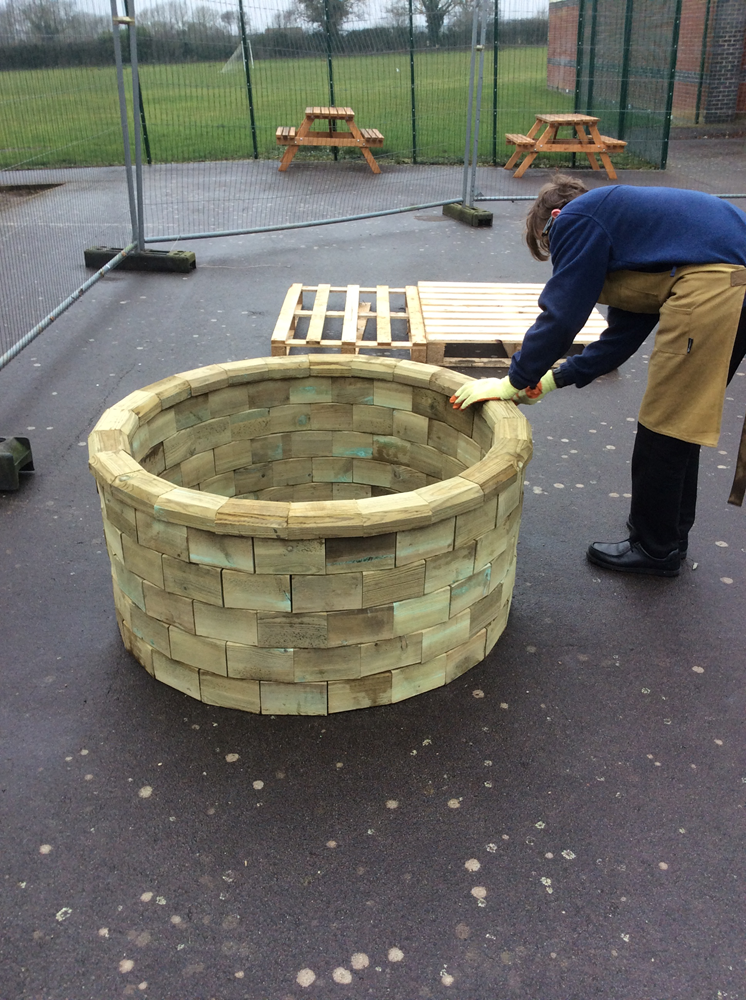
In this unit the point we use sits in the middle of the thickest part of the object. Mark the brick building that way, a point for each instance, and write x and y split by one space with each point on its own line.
710 71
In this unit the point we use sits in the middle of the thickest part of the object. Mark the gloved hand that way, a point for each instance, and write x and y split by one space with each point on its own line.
530 396
482 389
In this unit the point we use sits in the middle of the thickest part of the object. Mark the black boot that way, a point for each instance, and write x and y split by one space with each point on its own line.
630 557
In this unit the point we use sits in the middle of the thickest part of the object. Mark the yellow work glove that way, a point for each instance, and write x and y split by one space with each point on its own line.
530 396
482 389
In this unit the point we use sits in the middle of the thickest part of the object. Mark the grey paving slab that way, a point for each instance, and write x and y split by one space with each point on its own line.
563 822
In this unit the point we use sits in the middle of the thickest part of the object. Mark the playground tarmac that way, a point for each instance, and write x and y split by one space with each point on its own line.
563 822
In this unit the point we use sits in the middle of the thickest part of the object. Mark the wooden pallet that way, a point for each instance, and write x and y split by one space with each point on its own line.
474 314
306 320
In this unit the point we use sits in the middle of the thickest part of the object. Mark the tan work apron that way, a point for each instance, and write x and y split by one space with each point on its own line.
700 307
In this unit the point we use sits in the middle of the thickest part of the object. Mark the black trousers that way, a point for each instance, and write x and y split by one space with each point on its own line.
664 479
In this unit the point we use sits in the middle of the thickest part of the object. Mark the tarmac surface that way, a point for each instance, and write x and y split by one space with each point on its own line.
563 822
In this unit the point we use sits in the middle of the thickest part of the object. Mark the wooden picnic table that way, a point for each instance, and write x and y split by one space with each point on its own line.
305 135
586 139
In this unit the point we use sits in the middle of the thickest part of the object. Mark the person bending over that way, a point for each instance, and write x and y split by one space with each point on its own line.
660 256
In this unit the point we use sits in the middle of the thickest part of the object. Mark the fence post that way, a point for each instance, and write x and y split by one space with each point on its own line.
143 122
702 64
411 82
246 51
626 53
330 68
495 34
478 107
115 22
470 106
671 84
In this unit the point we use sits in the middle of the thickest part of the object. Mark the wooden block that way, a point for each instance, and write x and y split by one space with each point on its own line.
139 489
249 424
234 455
290 417
290 630
264 369
189 507
365 470
275 392
364 693
198 651
491 545
448 382
409 681
151 631
353 390
497 626
397 395
443 438
324 519
388 654
510 498
443 570
391 450
117 419
440 638
172 476
452 497
143 562
332 470
311 390
161 426
468 451
198 468
406 480
466 592
169 608
113 538
293 699
259 592
230 692
329 593
419 613
372 419
350 491
367 625
142 403
205 379
120 515
223 485
415 374
252 517
426 459
331 417
466 656
291 471
369 367
192 411
341 663
311 444
260 663
142 652
410 426
177 675
170 390
128 583
394 513
421 543
234 399
271 448
154 461
251 480
209 549
451 467
116 440
309 493
475 523
352 444
347 555
199 583
233 624
500 568
283 556
482 433
483 612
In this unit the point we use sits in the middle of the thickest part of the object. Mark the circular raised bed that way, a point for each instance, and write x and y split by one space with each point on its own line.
310 534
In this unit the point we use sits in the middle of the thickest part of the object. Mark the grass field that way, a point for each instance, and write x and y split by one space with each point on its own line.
70 117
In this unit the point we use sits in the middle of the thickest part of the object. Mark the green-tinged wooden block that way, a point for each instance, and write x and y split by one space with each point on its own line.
150 630
388 654
293 699
231 456
311 444
233 399
440 638
128 582
363 693
231 624
465 656
290 631
410 426
388 585
422 543
142 652
192 440
341 663
466 592
396 395
170 539
312 390
177 675
171 609
327 593
198 468
497 626
261 663
475 523
257 592
198 651
347 555
352 390
209 549
230 692
282 555
352 444
421 612
253 423
190 412
483 612
410 681
199 583
345 628
442 570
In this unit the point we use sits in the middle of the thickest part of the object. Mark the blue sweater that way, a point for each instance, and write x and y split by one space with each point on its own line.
619 228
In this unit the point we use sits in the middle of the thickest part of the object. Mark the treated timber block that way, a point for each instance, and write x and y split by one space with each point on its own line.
198 468
150 630
492 473
177 675
442 570
410 426
274 555
192 411
363 693
170 390
352 444
475 523
321 520
189 507
341 663
415 374
253 423
230 693
227 401
120 515
262 369
497 626
159 427
443 438
113 538
128 583
223 485
406 480
293 699
376 419
232 624
170 539
208 549
491 546
328 593
418 613
252 480
468 451
483 611
332 470
199 583
311 444
367 625
463 657
198 651
312 390
290 417
441 638
139 489
394 513
388 654
288 631
142 652
269 394
231 456
391 450
143 562
372 473
409 681
387 586
373 553
144 404
153 461
466 592
510 498
258 591
270 448
291 471
171 609
205 379
419 544
251 517
352 390
260 663
453 497
396 395
350 491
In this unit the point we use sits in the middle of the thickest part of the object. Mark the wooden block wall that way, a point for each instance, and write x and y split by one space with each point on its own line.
371 558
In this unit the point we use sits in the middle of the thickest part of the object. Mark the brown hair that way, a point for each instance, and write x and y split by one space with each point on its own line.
556 194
